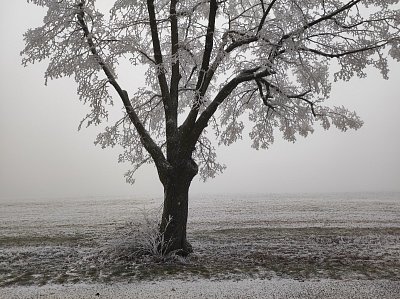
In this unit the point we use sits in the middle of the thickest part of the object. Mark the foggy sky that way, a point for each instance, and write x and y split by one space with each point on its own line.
43 155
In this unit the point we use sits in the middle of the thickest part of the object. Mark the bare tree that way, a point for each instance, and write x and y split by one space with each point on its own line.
211 62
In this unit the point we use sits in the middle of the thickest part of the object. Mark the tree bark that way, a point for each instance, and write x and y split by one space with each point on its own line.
175 209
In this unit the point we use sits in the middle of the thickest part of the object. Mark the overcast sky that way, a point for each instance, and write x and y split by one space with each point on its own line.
43 155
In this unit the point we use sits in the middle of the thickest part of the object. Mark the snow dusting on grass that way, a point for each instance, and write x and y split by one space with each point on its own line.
255 242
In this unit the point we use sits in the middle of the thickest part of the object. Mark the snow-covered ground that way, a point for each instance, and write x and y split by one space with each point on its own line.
179 289
98 216
246 246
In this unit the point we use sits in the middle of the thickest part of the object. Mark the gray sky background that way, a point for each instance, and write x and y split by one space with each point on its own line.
43 155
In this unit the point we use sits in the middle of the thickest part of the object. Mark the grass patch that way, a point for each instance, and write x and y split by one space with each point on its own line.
228 253
7 241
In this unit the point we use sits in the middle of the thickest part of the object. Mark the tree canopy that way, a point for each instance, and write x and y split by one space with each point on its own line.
213 64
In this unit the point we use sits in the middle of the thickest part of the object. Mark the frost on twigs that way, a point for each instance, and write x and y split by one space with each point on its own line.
123 133
300 39
206 157
265 61
140 241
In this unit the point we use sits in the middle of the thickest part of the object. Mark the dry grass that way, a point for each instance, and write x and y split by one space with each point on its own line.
239 245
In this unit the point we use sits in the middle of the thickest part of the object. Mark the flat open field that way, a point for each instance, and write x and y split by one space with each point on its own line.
321 240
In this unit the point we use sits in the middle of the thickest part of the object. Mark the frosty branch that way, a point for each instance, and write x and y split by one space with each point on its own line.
147 141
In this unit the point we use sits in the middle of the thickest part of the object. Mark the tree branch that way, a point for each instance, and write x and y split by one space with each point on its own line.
321 19
264 17
176 76
149 144
202 122
329 16
208 44
300 96
158 57
241 42
332 14
337 55
202 83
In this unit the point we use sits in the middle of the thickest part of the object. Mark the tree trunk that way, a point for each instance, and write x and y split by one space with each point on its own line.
175 210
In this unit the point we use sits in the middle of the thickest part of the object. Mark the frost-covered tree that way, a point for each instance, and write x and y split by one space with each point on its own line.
211 63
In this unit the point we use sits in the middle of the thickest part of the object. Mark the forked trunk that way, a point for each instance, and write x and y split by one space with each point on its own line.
175 210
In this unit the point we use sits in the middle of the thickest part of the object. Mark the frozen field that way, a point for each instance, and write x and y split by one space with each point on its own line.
286 246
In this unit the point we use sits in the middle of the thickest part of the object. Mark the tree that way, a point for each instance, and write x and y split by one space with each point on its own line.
211 63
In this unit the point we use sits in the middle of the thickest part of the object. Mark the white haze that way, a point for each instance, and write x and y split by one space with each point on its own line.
43 155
